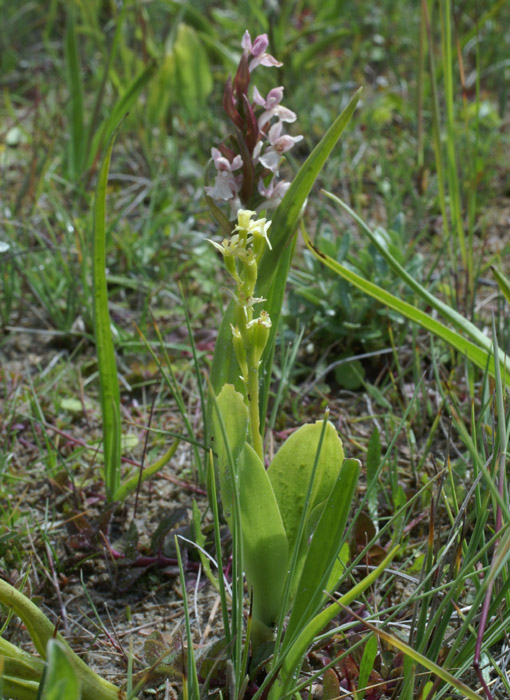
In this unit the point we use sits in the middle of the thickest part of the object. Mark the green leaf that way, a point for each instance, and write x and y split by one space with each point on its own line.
265 547
184 79
324 547
61 682
18 663
230 431
191 78
19 688
131 484
480 351
107 366
331 686
367 665
291 470
264 542
41 631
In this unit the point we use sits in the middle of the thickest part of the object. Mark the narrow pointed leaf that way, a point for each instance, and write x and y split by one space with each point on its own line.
324 548
41 630
503 283
119 111
74 83
447 311
289 210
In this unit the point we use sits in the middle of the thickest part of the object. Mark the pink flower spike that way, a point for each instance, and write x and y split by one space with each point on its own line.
256 152
257 97
272 106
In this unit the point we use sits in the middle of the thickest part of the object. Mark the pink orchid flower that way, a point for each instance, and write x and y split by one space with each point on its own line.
257 49
279 144
272 106
226 185
274 192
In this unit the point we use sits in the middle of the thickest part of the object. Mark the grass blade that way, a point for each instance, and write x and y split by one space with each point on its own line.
503 282
107 366
137 479
447 311
293 655
75 87
323 549
192 678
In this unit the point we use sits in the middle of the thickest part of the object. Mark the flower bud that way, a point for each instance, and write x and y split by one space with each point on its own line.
239 351
242 77
252 127
244 220
258 334
230 264
250 269
229 105
259 231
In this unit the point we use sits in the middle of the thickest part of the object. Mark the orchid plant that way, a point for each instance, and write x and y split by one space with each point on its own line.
290 518
287 521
